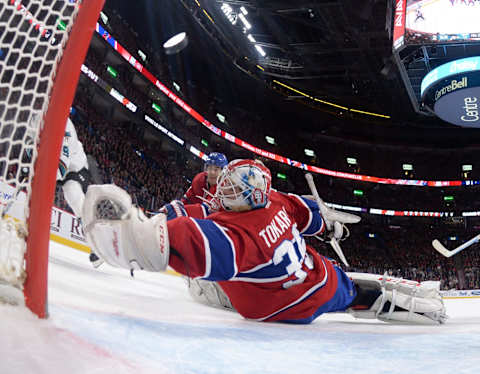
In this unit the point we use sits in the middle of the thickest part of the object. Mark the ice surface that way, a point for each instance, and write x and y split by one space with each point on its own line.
440 16
104 321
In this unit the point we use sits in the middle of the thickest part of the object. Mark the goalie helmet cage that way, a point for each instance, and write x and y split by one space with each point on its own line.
42 46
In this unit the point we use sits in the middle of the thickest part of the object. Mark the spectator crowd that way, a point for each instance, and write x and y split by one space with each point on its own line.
151 178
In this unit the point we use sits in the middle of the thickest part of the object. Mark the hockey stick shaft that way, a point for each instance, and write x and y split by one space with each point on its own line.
321 205
323 210
445 252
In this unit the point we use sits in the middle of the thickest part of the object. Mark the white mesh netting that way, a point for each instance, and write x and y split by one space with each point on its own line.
33 34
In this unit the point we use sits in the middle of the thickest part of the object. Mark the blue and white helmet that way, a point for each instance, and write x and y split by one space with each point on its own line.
216 159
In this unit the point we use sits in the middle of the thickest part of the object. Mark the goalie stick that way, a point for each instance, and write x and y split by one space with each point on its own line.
324 211
445 252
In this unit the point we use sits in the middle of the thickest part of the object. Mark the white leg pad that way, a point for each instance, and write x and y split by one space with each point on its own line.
422 301
121 234
208 293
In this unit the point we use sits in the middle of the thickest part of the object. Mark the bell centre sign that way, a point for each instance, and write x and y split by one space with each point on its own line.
464 65
460 107
454 94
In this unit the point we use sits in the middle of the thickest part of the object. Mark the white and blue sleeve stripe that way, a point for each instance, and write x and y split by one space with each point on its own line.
221 251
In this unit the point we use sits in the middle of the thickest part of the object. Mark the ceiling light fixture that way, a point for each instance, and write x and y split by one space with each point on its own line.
260 50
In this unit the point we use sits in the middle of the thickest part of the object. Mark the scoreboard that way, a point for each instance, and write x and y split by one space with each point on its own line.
420 22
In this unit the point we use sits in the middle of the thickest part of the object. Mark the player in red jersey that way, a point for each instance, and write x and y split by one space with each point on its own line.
204 184
255 249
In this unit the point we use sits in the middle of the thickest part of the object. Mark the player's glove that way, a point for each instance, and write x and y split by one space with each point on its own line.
174 209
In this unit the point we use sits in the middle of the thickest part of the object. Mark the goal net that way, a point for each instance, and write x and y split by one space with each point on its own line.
42 46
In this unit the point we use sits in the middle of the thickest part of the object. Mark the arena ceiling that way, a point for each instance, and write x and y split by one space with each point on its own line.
338 51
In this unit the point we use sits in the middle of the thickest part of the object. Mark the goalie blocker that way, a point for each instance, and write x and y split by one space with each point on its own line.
124 237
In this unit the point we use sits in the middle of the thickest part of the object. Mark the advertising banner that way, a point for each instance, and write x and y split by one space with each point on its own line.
460 294
65 228
399 23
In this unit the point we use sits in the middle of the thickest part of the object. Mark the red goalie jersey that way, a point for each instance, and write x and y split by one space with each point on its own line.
261 261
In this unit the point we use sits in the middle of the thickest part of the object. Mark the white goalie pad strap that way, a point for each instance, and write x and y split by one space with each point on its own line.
422 301
121 234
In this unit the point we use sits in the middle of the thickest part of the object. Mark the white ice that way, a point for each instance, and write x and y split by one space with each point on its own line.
105 321
440 16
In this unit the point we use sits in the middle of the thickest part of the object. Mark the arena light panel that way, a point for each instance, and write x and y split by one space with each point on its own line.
104 17
142 55
157 108
270 140
221 117
112 71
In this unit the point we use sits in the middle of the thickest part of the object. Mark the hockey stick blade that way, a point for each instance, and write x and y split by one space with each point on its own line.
445 252
336 247
441 249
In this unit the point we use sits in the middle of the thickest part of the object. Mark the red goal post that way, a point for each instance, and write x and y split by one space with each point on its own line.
63 81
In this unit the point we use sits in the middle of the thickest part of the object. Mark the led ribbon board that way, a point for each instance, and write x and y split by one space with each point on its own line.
273 156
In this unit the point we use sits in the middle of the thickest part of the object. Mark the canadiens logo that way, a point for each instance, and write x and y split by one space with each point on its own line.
258 196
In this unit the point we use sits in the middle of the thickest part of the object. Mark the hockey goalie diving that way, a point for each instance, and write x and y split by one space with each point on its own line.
104 319
189 260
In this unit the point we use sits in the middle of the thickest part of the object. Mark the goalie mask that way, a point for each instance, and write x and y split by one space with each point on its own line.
244 185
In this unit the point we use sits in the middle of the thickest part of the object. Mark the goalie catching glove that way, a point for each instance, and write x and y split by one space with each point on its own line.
121 234
392 299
